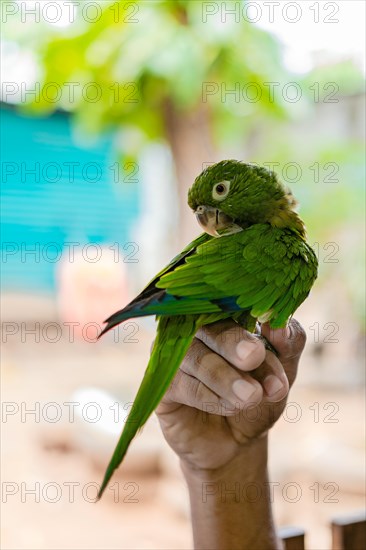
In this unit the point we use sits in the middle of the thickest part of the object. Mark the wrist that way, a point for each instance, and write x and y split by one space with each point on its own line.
250 462
230 505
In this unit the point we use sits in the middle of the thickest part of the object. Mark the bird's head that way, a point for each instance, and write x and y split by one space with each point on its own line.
231 195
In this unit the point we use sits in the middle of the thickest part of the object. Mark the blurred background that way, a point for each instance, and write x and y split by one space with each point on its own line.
109 111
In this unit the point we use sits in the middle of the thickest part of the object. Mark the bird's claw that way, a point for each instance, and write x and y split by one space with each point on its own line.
267 344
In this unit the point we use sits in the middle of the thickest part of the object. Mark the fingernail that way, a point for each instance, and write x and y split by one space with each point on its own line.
272 385
243 390
244 349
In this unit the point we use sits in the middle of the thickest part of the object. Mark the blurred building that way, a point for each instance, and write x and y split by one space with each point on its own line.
59 195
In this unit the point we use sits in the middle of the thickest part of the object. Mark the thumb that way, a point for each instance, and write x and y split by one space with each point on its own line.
289 342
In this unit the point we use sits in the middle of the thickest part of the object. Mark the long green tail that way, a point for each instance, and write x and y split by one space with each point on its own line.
174 336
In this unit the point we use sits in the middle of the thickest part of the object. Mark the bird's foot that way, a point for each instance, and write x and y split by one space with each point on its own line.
267 344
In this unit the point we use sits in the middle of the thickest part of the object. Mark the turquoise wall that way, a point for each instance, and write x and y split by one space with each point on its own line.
59 203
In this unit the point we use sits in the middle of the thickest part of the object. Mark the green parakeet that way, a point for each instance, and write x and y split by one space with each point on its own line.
251 263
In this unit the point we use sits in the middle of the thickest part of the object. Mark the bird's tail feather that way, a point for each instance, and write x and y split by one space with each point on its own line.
121 316
174 336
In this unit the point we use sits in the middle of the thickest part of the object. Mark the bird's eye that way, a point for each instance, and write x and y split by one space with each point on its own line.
220 190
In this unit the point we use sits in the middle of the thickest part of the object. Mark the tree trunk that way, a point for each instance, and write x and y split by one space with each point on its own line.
190 138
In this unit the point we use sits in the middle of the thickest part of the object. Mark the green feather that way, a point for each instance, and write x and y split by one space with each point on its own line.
174 336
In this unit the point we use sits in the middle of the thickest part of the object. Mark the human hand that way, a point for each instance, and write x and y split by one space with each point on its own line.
228 392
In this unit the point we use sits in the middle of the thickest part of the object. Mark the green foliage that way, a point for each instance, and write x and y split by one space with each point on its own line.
168 54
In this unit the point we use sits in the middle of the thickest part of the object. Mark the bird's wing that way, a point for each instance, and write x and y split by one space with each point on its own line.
266 270
151 295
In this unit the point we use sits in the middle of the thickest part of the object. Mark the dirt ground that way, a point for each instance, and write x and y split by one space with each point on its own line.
54 457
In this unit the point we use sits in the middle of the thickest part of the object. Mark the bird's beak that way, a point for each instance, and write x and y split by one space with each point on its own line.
215 222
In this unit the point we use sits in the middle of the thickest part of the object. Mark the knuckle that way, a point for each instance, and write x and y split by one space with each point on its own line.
215 375
188 359
216 332
199 392
201 334
210 367
175 384
297 337
201 360
191 357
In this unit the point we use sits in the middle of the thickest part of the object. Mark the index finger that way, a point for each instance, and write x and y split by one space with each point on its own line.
239 347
